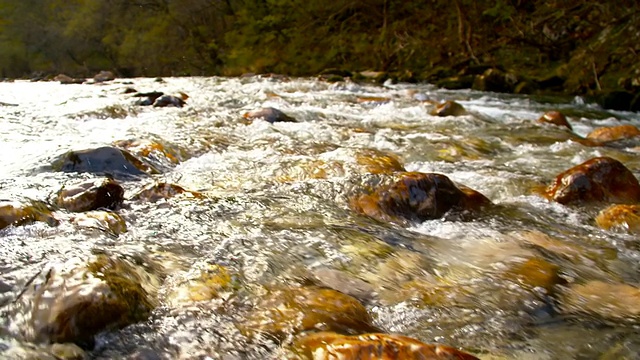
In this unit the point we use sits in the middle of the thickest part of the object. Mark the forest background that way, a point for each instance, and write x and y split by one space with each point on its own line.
572 47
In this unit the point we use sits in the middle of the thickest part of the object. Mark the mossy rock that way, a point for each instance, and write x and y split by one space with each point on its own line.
289 311
77 300
17 213
330 345
210 282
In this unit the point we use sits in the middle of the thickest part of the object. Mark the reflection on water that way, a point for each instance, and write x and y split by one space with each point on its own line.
264 209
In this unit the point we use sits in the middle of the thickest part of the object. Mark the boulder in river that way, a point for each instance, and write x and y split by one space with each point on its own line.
66 79
285 312
91 195
449 108
614 302
556 118
330 345
106 160
418 197
171 100
601 179
620 217
269 114
158 155
17 213
148 98
104 75
605 135
78 299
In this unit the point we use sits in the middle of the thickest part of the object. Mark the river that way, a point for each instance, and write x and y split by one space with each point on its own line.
275 211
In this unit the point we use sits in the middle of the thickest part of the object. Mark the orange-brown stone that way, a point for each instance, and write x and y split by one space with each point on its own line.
555 118
626 217
614 133
601 179
374 346
449 108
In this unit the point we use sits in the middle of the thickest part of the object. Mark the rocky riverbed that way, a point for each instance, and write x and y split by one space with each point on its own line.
268 217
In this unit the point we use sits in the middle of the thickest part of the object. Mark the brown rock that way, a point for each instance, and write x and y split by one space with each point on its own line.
103 76
614 133
375 346
555 118
619 302
624 217
66 79
449 108
536 272
290 311
103 220
16 213
601 179
418 197
93 195
377 162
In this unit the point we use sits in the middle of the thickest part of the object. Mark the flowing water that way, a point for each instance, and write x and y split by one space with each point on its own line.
276 209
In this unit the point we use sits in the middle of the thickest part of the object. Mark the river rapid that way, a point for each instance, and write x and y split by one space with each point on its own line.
275 211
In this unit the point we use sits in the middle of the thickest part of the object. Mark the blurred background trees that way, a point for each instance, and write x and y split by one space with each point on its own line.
303 37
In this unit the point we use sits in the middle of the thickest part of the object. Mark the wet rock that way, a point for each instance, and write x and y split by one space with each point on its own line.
213 281
65 79
74 301
103 76
171 100
418 197
16 213
564 249
149 98
289 311
269 114
620 217
92 195
449 108
609 301
129 90
377 162
155 154
103 220
330 345
158 191
555 118
495 80
343 282
68 351
106 160
614 133
536 273
601 179
456 82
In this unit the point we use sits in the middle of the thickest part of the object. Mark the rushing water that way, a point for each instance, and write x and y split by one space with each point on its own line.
276 208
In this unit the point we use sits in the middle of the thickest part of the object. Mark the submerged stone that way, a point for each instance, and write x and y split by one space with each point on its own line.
106 160
609 301
289 311
154 154
103 220
620 217
92 195
158 191
601 179
333 346
536 273
418 197
77 300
